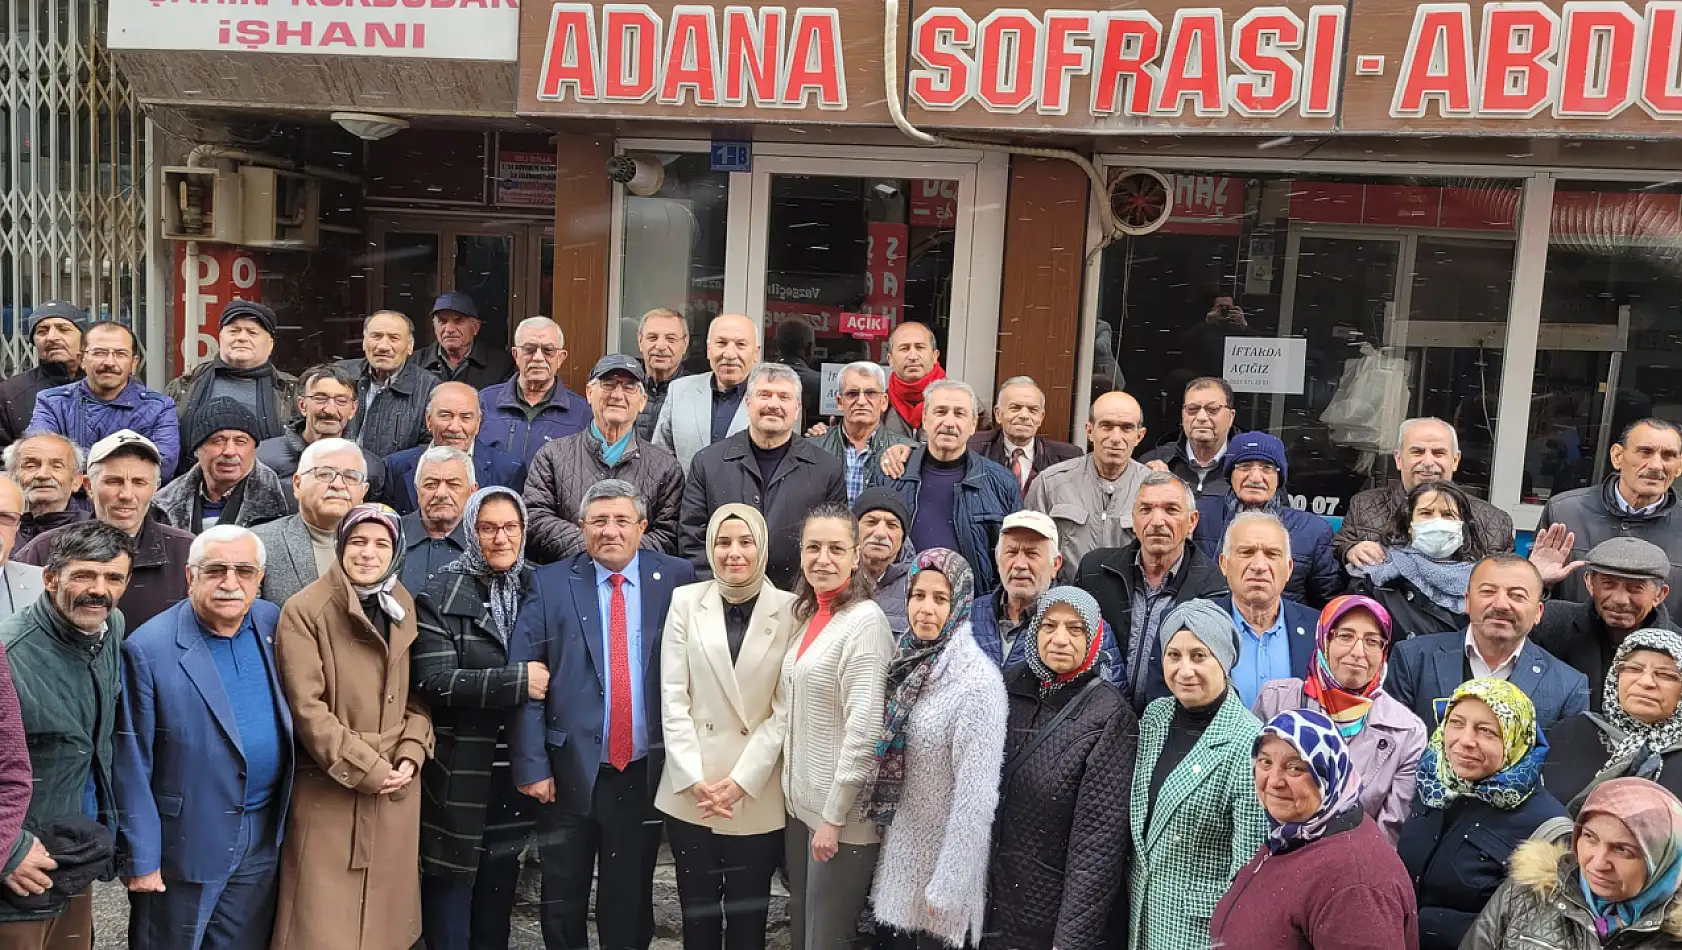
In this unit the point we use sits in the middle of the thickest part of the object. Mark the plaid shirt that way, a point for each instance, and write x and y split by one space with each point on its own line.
858 470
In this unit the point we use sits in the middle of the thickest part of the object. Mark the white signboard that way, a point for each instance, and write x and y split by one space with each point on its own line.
1265 364
829 403
420 29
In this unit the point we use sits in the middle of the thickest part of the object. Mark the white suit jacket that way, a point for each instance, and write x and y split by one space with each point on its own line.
23 583
685 426
724 719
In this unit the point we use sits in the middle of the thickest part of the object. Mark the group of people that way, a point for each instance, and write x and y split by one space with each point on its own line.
404 623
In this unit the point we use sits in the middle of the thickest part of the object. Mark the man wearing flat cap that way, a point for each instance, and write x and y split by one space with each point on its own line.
242 371
608 448
457 355
1628 580
56 329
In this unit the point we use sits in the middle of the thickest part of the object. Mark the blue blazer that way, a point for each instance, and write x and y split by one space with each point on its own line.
175 733
491 465
1426 669
1300 623
560 625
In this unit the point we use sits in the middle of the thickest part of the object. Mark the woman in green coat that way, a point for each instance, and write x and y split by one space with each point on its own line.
1195 817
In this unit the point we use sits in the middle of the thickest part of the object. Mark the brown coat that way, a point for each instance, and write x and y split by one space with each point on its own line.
350 864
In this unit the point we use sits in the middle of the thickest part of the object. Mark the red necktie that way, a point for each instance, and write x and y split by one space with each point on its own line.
1018 463
619 743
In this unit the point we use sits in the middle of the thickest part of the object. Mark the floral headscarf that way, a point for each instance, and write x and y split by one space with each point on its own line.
1318 740
505 586
1629 740
1521 766
1087 607
1654 818
1346 707
380 590
909 672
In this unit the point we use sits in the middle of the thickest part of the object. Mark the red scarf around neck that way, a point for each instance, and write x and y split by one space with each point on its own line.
907 398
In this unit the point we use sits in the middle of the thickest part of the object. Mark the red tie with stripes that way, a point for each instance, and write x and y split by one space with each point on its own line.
619 743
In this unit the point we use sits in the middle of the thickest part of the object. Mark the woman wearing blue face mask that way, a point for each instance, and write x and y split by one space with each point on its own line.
1428 561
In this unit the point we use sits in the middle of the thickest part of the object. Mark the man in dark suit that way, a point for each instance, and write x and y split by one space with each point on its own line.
1015 441
452 418
202 709
1504 603
591 752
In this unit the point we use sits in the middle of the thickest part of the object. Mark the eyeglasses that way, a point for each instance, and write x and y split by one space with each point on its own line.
511 530
326 475
217 570
532 351
102 353
1211 410
323 400
621 522
1345 638
853 395
611 384
1661 676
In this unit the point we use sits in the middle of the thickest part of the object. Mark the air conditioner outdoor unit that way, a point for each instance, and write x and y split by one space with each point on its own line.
202 204
282 209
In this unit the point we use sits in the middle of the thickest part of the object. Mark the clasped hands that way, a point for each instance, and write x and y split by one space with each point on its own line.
716 799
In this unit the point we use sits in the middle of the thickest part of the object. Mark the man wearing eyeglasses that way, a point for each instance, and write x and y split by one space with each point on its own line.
20 583
534 408
226 485
122 480
332 477
1090 498
861 438
1206 421
391 391
243 371
611 448
453 418
201 869
326 405
109 399
433 534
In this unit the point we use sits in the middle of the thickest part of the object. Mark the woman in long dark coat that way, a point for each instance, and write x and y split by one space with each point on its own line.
474 824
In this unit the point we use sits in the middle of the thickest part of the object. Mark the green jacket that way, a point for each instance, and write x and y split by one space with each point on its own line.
67 684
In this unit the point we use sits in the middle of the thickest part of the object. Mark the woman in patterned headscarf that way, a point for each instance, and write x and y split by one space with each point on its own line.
342 649
1639 731
1327 877
1060 836
938 757
1611 883
474 823
1346 683
1480 795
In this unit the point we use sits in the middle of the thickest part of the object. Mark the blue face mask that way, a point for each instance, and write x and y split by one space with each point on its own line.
1437 538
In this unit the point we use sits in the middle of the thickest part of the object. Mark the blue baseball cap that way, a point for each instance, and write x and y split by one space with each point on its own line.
456 302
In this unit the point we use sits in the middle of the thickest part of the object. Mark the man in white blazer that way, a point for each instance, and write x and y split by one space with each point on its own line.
20 584
708 408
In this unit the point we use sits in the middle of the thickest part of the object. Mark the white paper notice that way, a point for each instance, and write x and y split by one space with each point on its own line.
1265 364
828 403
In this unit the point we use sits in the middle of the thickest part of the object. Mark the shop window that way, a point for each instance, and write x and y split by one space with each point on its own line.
443 166
674 244
1283 284
1610 342
855 257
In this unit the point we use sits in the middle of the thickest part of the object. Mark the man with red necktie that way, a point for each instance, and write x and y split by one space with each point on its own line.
591 751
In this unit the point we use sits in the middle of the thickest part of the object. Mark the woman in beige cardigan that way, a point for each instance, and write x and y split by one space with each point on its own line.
721 660
832 680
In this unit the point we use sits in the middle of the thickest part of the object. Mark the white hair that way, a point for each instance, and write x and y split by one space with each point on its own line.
1402 433
873 370
1018 381
1254 517
441 455
224 534
665 313
320 447
776 371
539 323
950 383
10 457
1155 478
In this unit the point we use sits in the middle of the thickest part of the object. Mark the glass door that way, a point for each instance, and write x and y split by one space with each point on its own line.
418 257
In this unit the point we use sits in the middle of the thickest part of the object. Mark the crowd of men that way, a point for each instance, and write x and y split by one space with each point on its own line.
201 509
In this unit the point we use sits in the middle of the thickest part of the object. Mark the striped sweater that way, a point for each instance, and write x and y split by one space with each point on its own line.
835 695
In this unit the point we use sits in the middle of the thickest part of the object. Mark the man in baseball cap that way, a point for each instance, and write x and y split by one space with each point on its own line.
457 355
1628 580
55 328
243 371
1028 561
226 483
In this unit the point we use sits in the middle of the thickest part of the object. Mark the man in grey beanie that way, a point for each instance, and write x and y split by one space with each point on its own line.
56 329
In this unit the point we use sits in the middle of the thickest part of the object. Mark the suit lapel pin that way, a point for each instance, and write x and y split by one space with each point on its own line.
656 575
1535 669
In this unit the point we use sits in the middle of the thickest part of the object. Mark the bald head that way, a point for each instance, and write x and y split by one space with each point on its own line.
452 415
732 348
1113 429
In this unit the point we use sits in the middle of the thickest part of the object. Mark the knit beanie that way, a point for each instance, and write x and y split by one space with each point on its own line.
57 310
1208 623
1256 447
883 499
208 418
238 309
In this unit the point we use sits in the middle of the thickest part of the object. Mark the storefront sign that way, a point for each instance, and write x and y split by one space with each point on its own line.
423 29
1265 364
525 179
884 278
934 203
1519 67
729 156
219 273
1206 204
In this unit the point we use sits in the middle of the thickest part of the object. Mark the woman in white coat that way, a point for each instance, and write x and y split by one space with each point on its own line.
721 660
938 760
832 681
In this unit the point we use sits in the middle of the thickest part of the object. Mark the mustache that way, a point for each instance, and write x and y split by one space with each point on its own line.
228 595
337 494
93 600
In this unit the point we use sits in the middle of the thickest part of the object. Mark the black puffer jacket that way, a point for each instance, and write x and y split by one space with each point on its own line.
563 470
17 397
1061 844
1541 907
